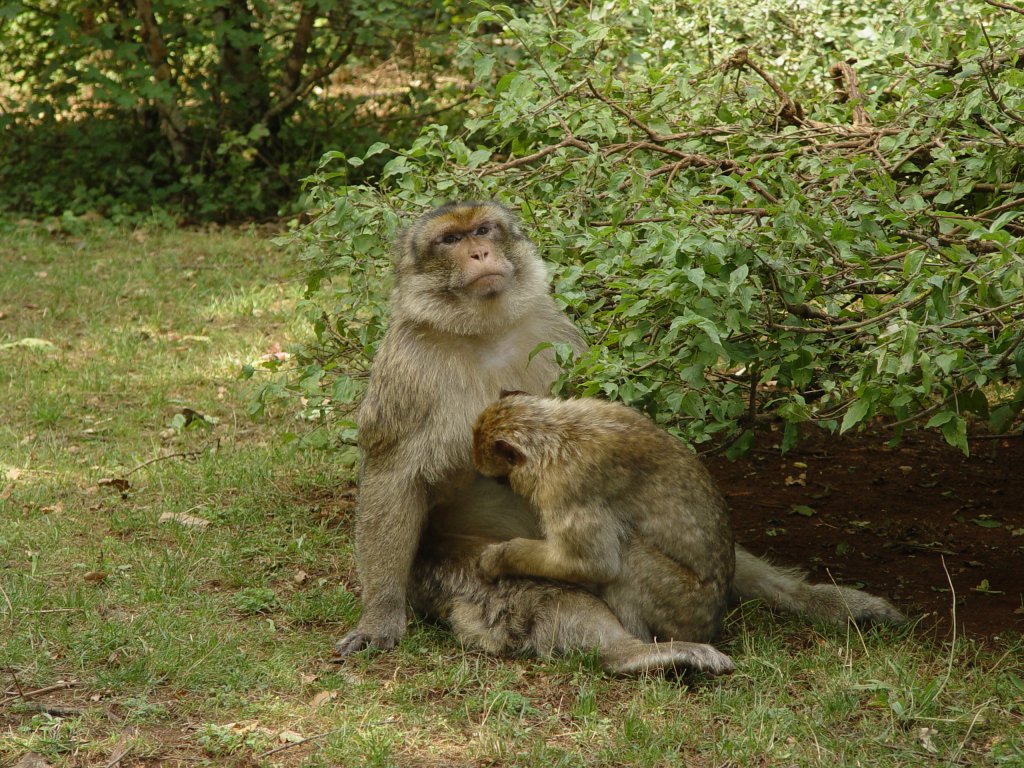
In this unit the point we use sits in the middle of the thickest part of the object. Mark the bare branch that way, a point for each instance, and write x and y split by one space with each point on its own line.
844 80
1005 6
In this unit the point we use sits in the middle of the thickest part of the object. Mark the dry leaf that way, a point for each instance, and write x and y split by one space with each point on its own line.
299 577
32 760
95 577
39 345
924 738
183 518
13 474
290 737
322 698
58 508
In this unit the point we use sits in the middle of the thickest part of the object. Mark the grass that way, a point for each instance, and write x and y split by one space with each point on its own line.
204 639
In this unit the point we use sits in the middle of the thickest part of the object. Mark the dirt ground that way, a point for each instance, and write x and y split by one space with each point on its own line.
893 519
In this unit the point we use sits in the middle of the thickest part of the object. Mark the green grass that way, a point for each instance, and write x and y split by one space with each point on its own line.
210 645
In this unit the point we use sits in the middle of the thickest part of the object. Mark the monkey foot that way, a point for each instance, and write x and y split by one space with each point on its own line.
358 640
673 658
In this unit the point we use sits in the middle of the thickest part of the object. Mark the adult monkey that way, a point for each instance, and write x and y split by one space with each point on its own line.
471 302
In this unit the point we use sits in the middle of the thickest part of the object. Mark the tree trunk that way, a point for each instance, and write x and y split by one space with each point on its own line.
172 124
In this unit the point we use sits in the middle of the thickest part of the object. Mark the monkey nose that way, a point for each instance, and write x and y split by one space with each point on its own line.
479 255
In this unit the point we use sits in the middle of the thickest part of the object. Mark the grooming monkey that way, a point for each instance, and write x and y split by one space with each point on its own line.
624 507
470 304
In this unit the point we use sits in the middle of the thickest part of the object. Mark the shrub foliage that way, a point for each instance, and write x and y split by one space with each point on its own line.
210 107
799 212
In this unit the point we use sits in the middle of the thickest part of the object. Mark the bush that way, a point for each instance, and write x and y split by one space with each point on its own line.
212 108
753 212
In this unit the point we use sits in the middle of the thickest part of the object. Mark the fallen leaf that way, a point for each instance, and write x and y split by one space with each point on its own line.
803 509
39 345
32 760
299 577
95 577
13 474
183 518
322 698
58 508
924 738
800 479
290 737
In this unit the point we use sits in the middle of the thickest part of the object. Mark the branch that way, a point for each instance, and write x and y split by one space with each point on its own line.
853 326
653 134
844 80
790 110
288 98
570 141
1005 6
662 219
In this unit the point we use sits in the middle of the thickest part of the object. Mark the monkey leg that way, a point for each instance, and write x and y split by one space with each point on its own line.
659 598
787 590
515 617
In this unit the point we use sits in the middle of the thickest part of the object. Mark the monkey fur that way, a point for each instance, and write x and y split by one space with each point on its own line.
471 303
625 509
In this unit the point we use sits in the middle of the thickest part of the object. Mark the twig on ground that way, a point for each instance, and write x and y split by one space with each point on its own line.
62 685
123 746
179 455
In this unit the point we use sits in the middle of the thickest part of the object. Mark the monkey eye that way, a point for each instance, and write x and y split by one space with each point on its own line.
482 230
450 239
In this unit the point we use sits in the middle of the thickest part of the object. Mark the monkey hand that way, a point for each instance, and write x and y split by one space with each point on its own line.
374 637
492 560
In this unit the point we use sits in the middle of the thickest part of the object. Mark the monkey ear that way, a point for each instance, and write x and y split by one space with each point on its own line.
508 452
510 392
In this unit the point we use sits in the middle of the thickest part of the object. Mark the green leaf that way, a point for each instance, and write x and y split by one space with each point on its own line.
855 414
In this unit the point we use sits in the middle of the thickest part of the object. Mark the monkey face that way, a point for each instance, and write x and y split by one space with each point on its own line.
476 256
495 452
466 269
464 249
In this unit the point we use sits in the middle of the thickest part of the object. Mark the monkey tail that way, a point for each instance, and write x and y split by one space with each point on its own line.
787 590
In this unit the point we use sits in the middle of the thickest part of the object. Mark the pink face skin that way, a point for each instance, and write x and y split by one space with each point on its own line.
472 249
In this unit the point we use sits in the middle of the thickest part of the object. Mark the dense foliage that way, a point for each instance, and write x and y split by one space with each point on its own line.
800 212
210 108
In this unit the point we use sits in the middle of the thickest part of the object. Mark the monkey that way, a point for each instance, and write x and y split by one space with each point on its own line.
624 507
470 308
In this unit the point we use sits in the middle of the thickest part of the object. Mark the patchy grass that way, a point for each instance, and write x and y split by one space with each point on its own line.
204 639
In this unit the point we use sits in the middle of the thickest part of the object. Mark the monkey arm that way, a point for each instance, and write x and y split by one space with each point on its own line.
391 515
583 546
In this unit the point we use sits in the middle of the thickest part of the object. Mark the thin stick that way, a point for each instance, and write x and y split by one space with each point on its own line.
40 691
179 455
123 746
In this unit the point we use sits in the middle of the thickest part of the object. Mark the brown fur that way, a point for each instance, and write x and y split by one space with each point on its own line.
449 351
625 509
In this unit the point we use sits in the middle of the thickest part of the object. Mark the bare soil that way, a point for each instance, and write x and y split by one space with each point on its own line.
903 521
